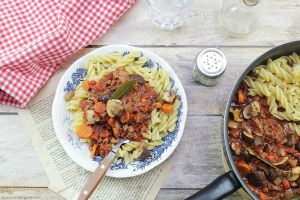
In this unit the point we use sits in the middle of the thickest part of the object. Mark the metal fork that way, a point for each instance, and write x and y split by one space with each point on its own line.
100 172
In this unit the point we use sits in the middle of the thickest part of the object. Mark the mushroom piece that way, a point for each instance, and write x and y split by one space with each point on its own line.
105 97
247 137
293 177
246 127
169 96
114 107
145 154
247 156
295 173
267 147
292 162
263 167
251 110
298 181
297 146
141 153
247 112
289 194
272 175
277 181
290 141
232 124
257 178
236 115
90 117
237 148
296 170
281 163
281 151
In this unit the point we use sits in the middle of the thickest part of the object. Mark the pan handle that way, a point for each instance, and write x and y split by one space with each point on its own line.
223 186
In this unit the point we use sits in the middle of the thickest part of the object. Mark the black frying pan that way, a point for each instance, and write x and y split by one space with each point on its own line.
231 181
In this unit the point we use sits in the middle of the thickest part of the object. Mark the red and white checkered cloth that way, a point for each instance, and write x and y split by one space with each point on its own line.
36 36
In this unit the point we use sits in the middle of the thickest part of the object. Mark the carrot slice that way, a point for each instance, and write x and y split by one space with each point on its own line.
286 184
94 150
251 187
168 108
100 107
243 167
116 132
262 196
84 131
241 96
111 121
86 85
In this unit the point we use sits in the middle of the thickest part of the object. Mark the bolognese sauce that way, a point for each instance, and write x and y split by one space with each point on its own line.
266 152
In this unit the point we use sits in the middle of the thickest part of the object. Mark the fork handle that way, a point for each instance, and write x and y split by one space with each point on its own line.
96 177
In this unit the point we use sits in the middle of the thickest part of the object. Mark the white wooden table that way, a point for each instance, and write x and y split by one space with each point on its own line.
194 164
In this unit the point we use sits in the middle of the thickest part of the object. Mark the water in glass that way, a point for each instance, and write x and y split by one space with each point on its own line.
169 14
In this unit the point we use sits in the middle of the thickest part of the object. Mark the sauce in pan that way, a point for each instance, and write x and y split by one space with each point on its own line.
266 152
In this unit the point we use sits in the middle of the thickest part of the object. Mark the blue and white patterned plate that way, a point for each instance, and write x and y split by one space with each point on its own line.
79 152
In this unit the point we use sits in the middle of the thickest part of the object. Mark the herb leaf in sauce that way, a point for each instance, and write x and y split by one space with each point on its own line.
123 89
251 152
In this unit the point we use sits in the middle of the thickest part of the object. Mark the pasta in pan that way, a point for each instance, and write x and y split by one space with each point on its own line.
279 82
162 115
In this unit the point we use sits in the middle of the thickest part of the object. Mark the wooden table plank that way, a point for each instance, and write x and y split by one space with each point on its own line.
180 194
280 25
12 193
19 163
45 193
202 100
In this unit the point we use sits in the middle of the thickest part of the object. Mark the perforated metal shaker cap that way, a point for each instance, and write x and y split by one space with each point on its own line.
211 62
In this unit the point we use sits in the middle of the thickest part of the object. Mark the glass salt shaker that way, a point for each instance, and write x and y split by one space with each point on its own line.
241 17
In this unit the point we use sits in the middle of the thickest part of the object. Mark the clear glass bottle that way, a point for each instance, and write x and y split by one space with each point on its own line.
241 17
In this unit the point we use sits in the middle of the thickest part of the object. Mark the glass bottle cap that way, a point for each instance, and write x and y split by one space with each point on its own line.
251 2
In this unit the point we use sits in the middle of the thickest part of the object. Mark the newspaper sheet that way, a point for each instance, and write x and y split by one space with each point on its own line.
65 176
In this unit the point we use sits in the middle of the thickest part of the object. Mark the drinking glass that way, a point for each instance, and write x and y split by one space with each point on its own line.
169 14
241 17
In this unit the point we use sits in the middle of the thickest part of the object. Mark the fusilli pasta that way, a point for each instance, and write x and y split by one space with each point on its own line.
279 82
